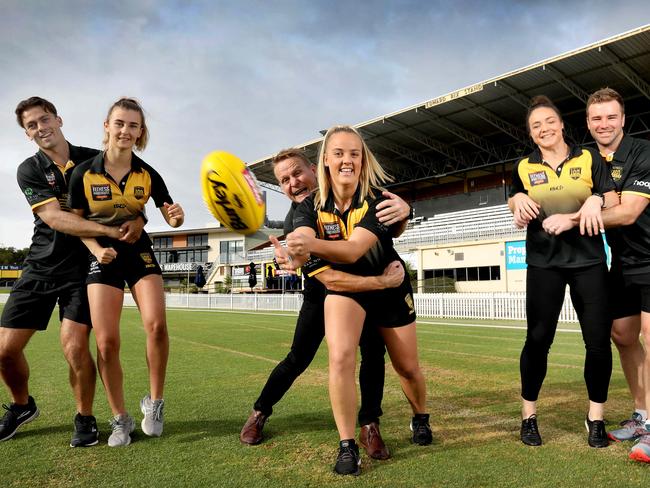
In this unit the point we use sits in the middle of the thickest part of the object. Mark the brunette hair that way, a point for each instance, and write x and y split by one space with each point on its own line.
30 103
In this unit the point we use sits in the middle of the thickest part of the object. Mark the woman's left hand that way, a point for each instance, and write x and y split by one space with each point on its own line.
175 214
591 219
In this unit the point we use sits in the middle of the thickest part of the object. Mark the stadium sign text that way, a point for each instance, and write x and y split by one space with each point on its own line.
454 95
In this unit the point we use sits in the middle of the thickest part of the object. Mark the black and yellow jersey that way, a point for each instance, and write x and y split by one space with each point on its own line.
561 191
332 225
630 170
52 255
110 202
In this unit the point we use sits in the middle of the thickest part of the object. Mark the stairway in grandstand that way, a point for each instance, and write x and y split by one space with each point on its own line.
475 224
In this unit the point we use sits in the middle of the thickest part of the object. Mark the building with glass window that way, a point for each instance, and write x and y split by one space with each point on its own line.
223 255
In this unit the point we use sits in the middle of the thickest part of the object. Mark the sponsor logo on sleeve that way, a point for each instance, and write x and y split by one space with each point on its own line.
642 184
538 178
101 193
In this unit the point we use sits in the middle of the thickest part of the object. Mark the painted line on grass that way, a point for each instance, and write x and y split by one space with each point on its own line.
487 326
428 322
225 349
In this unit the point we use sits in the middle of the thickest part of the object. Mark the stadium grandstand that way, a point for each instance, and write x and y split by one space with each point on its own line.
456 151
451 157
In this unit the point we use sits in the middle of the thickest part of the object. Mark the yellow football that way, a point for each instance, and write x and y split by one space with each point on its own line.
231 192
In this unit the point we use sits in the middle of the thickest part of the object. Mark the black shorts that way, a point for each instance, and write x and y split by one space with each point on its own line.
392 307
32 301
624 299
640 283
132 263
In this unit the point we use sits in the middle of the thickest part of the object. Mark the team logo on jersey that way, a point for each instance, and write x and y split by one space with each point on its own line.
538 178
51 178
575 173
101 193
332 230
146 257
616 172
138 192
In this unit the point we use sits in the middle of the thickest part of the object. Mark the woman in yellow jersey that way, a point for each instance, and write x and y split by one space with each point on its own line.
556 180
339 225
111 189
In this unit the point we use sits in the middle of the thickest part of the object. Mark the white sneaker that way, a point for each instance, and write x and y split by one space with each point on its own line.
152 423
121 426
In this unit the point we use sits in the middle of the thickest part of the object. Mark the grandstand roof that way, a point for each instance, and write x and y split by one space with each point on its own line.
479 129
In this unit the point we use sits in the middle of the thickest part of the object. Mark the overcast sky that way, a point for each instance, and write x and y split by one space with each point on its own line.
254 77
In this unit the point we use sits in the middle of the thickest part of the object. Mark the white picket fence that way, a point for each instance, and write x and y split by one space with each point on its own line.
491 306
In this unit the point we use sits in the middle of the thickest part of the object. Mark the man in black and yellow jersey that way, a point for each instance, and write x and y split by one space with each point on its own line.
628 235
54 270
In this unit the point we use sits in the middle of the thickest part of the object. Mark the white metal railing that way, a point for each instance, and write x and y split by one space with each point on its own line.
489 306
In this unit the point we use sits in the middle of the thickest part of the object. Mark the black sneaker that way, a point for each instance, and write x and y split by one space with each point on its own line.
597 434
529 432
16 416
86 433
348 460
422 434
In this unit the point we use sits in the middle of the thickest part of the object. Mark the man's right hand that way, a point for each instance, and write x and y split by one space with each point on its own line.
393 275
105 255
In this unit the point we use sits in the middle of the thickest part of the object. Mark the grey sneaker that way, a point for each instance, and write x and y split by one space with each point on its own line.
152 423
121 426
631 429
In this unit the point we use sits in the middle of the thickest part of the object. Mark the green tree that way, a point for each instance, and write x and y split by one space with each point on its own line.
11 255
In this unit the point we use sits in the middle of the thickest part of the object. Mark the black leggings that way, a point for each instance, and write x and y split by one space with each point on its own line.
310 331
545 289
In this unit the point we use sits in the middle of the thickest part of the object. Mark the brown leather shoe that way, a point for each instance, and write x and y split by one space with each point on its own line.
370 439
251 432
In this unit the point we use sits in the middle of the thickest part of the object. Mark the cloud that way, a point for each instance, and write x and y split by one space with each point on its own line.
254 77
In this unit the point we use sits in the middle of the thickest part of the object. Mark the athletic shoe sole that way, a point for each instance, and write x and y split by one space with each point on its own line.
28 420
640 456
85 445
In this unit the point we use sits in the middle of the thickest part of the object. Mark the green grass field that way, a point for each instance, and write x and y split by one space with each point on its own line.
218 364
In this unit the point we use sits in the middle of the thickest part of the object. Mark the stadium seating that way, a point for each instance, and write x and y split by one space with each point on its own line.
475 224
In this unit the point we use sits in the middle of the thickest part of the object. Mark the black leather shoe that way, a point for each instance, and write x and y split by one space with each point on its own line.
597 434
529 432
